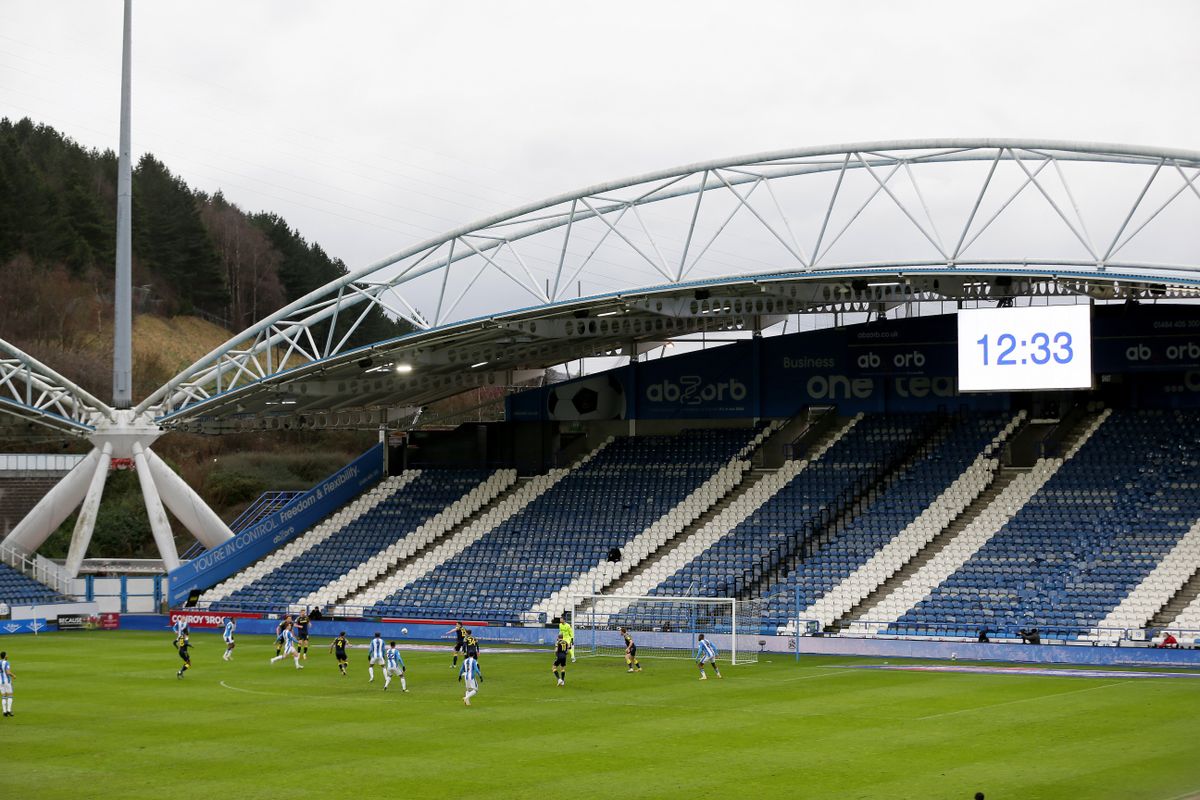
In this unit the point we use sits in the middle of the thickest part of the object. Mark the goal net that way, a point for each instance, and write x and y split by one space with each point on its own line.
667 627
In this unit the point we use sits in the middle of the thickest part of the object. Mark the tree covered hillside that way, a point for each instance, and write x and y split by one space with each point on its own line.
193 254
203 269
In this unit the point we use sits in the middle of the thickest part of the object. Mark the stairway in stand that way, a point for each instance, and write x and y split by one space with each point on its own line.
862 611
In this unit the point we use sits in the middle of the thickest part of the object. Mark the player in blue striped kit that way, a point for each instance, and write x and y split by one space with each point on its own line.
706 653
6 685
375 655
393 665
471 676
288 646
230 627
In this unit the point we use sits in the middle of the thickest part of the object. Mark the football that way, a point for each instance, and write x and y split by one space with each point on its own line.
404 631
593 398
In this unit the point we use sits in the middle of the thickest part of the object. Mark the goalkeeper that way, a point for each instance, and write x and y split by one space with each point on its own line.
568 634
706 653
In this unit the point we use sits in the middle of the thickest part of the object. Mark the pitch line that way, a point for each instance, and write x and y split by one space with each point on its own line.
1022 700
249 691
1192 795
345 696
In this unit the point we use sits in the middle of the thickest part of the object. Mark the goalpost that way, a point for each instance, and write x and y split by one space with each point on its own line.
667 627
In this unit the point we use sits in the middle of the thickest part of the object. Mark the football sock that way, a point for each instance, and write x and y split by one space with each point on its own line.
372 671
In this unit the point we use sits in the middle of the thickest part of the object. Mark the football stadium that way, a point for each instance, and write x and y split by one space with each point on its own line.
749 499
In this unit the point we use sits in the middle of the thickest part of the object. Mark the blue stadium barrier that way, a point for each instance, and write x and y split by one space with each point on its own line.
279 528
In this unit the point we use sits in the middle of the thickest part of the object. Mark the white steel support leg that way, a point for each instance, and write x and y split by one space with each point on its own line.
44 518
85 523
186 505
160 526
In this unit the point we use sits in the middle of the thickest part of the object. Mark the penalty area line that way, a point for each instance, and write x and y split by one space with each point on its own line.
1192 795
817 675
248 691
1021 700
346 696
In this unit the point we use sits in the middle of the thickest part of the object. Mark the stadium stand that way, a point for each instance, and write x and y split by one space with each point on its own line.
416 498
19 589
661 531
998 508
670 561
421 561
894 524
793 518
1100 524
262 507
571 527
919 502
302 544
1187 621
1164 582
428 532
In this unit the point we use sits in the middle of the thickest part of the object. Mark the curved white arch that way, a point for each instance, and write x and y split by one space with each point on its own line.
801 211
31 390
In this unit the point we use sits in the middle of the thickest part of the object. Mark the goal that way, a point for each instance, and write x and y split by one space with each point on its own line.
667 627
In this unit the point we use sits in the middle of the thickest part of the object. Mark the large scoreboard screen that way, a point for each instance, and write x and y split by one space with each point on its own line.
1017 349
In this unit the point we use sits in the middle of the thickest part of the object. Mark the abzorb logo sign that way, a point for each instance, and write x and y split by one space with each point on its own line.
693 390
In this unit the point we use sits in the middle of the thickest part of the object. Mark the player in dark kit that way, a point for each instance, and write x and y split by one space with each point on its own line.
338 646
302 634
460 634
470 645
631 659
283 623
182 645
561 648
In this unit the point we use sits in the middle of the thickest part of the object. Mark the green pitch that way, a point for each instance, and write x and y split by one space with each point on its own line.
102 715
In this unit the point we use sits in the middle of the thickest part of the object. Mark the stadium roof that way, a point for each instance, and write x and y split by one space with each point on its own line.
730 245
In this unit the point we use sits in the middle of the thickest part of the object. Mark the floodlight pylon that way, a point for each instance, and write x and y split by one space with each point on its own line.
114 431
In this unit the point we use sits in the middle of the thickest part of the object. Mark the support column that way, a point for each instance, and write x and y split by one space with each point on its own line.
186 505
85 524
160 526
56 506
122 286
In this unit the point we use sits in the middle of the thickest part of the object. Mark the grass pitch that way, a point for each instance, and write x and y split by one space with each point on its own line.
102 715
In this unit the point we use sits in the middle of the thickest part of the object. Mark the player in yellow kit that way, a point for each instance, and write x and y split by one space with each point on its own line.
568 634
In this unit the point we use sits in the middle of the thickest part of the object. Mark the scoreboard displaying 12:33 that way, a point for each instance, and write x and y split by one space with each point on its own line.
1018 349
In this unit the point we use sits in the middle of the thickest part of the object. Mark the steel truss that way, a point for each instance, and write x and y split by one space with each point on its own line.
32 391
1111 220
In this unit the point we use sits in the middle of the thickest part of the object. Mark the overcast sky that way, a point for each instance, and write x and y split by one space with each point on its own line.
370 125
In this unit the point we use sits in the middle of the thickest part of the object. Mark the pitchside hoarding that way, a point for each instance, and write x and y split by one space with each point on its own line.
295 518
16 626
208 619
